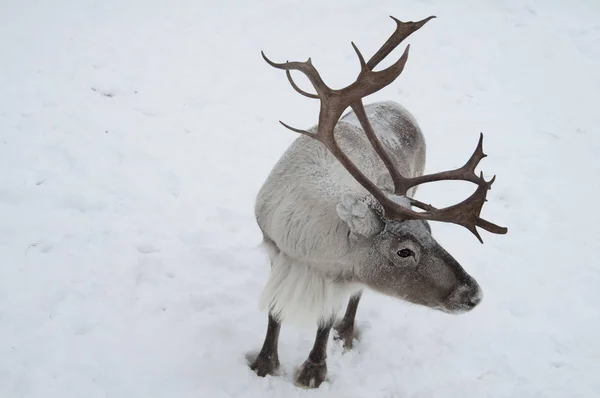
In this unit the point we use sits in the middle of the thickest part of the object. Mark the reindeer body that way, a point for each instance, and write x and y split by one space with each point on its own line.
308 244
337 214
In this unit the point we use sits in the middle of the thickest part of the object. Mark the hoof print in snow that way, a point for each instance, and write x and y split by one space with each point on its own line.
106 93
147 112
147 249
311 375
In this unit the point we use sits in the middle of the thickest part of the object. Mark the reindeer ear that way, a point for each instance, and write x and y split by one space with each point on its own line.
361 219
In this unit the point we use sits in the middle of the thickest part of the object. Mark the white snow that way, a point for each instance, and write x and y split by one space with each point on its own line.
135 134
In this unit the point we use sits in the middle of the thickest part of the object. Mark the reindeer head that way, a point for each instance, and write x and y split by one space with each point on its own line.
392 245
400 258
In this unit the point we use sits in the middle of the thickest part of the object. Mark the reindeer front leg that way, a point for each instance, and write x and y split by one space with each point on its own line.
345 329
267 361
314 370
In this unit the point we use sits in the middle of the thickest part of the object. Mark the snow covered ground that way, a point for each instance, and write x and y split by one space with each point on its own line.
134 136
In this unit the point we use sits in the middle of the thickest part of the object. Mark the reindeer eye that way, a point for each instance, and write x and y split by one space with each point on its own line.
406 253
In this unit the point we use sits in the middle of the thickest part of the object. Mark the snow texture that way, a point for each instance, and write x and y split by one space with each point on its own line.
134 136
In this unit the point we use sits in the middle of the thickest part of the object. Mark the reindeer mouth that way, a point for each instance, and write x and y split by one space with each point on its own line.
455 309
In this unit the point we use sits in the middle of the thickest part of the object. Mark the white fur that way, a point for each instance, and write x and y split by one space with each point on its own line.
298 293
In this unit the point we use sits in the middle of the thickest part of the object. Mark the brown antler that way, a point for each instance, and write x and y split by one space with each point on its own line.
403 30
334 102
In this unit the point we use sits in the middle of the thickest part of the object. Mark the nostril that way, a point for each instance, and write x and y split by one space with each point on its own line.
474 297
466 296
474 300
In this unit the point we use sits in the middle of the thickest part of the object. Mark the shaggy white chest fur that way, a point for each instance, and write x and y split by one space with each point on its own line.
298 293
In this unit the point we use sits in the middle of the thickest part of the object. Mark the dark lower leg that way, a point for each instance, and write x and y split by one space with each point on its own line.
314 370
345 329
267 361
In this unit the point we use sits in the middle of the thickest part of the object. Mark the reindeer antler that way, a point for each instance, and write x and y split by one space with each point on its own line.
334 102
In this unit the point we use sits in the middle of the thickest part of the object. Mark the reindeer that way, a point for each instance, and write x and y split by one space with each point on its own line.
338 214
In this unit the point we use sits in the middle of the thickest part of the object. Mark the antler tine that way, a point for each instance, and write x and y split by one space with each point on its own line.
299 131
305 67
361 59
369 82
298 89
475 157
465 213
464 173
376 80
403 30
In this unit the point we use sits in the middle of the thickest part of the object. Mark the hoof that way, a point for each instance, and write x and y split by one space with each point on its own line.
311 375
263 366
345 334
